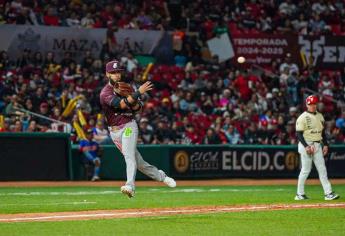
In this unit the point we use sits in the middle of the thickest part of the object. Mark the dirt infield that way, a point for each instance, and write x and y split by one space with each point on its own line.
217 182
132 213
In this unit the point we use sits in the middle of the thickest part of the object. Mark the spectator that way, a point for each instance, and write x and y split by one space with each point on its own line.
146 131
18 127
340 122
50 18
129 62
73 20
101 134
204 92
187 104
6 127
67 60
5 62
292 88
25 59
251 134
32 127
43 110
233 135
10 108
211 137
91 151
316 24
220 28
292 67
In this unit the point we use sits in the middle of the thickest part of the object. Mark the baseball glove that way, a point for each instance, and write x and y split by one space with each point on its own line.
123 89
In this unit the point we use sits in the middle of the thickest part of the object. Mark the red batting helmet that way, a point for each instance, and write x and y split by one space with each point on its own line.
312 99
113 66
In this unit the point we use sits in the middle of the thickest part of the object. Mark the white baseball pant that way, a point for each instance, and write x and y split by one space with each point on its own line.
307 161
125 138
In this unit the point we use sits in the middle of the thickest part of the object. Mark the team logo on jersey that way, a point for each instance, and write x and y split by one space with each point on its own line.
181 161
308 120
128 132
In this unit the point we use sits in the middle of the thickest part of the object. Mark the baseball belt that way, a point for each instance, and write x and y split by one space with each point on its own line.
116 128
319 141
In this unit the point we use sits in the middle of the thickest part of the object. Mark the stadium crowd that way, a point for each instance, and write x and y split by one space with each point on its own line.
210 17
197 100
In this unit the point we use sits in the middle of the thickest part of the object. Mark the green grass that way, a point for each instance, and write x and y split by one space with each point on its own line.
282 222
49 199
289 222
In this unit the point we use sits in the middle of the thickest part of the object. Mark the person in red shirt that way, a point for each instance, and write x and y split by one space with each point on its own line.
50 18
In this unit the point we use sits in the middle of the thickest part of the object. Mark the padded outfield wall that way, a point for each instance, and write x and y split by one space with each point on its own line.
50 156
217 161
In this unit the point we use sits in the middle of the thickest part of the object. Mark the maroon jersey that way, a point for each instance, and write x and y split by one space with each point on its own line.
114 116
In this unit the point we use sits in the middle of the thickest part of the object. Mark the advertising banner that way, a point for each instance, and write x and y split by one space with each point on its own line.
15 38
253 162
138 41
324 51
262 49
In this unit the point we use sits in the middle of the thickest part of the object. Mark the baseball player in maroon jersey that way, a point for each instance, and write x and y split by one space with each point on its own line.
120 103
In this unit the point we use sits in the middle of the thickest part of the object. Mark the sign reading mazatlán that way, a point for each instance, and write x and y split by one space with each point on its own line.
223 161
15 38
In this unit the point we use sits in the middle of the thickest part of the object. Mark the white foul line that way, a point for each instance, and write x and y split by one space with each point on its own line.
201 210
187 190
47 204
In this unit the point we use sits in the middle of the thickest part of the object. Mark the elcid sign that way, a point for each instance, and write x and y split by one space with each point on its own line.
229 161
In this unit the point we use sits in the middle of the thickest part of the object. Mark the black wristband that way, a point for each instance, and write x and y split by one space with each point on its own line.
130 105
140 105
127 102
136 95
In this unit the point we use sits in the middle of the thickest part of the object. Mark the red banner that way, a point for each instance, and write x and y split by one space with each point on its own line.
261 49
324 52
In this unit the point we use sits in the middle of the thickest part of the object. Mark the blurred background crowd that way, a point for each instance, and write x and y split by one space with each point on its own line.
207 17
197 100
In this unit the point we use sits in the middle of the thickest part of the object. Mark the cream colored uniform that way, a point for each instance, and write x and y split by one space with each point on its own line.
312 126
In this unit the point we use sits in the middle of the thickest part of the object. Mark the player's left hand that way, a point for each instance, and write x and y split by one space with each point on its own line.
325 150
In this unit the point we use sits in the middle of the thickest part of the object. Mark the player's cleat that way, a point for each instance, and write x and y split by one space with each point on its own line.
331 196
299 197
170 182
127 190
167 180
95 178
